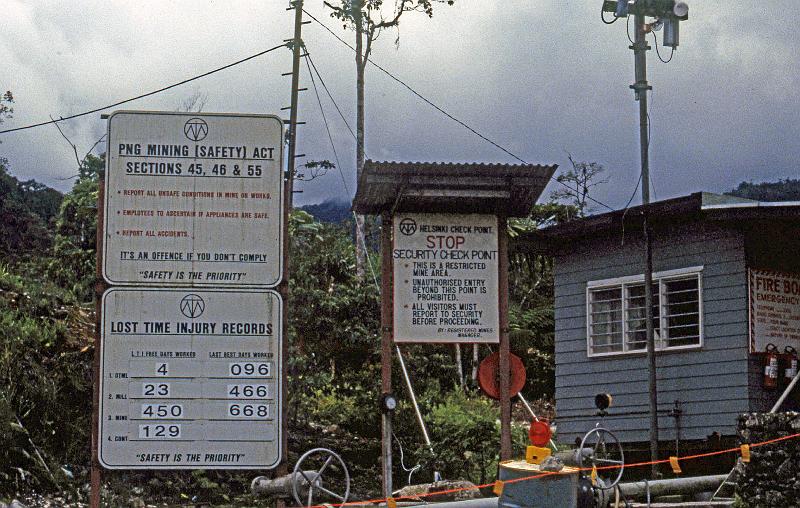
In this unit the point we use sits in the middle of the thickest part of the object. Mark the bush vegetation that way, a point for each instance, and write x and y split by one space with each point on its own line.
47 325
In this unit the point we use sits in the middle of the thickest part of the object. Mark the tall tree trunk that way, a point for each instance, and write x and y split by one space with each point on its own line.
460 366
360 63
475 363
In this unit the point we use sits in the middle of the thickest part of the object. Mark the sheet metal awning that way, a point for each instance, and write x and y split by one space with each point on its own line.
509 189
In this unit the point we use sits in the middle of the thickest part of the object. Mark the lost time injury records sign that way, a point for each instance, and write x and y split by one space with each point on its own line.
190 379
193 199
445 278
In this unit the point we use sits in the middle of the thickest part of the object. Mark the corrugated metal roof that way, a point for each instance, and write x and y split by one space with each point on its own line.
450 187
697 206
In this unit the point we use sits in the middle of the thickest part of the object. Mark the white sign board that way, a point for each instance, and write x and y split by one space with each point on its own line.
445 278
774 310
193 199
190 379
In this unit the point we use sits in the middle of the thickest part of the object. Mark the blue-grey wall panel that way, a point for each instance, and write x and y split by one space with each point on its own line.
711 382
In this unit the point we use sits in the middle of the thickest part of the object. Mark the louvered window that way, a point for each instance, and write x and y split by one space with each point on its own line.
616 313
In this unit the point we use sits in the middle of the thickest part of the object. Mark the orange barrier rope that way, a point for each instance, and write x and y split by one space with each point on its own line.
500 484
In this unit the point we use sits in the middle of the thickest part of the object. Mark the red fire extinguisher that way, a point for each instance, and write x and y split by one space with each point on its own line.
771 367
790 371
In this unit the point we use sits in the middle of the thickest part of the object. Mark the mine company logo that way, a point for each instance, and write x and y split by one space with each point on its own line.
408 226
196 129
192 306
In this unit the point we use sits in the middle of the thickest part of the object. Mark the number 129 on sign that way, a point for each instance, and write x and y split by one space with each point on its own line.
159 431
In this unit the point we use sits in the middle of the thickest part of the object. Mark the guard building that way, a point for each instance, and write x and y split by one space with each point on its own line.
726 285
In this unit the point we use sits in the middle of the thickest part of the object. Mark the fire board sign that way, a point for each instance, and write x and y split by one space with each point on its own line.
193 200
774 310
190 379
445 278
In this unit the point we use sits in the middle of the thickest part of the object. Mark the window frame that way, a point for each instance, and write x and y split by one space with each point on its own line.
658 278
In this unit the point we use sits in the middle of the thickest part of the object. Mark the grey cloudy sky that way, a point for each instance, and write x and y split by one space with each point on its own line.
542 78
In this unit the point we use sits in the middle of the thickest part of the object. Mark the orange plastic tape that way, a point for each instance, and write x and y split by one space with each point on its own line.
498 487
391 503
676 468
745 453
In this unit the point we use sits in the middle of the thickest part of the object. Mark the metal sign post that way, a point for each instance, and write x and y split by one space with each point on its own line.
189 349
96 473
387 319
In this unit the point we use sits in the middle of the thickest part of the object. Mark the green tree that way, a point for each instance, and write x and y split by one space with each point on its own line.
782 190
369 18
6 111
25 209
578 183
74 251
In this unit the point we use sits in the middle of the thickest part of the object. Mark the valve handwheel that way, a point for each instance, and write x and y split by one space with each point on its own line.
309 473
600 440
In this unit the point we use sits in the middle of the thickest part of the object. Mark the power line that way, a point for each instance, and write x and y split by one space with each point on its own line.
325 120
330 96
395 78
148 94
360 236
448 115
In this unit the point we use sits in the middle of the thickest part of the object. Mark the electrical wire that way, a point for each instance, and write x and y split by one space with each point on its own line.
360 236
655 43
628 29
325 120
448 115
148 94
603 17
330 96
395 78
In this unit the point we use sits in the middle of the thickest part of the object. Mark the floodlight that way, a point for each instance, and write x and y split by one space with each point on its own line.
681 9
622 9
671 32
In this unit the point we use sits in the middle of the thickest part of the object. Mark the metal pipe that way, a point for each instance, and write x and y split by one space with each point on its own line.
673 486
436 475
785 393
413 399
484 502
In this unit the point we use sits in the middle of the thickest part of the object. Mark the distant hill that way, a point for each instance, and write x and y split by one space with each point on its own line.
331 210
782 190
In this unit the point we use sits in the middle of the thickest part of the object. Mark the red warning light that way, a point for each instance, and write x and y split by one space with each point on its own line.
539 433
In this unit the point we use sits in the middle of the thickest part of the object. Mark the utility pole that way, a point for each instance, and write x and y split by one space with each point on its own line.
297 46
283 288
668 13
641 87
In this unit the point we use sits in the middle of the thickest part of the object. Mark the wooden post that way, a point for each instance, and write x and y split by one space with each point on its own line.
96 479
504 365
387 325
283 288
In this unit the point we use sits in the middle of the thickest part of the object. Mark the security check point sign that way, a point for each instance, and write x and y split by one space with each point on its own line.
445 278
190 379
193 200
